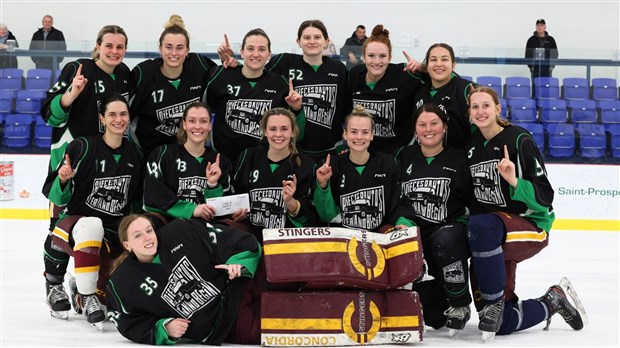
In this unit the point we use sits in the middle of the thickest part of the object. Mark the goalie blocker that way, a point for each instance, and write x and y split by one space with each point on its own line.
326 257
345 318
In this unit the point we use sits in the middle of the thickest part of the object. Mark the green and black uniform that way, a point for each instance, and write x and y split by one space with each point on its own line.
182 282
326 100
158 102
176 181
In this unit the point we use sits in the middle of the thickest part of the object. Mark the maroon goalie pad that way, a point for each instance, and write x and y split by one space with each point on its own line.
345 318
325 257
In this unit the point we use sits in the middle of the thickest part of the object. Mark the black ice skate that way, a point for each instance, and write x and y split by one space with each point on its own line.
457 318
57 300
93 310
556 300
87 304
491 318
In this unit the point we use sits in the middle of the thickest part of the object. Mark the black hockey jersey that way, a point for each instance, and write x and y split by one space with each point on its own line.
82 118
533 195
239 104
158 104
107 182
326 100
390 102
366 200
176 181
261 179
182 282
452 99
439 188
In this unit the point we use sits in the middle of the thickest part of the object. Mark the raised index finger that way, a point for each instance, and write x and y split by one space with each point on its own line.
407 56
79 70
290 85
327 160
506 152
217 160
226 40
67 160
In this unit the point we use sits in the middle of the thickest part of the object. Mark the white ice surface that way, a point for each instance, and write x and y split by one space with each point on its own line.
589 259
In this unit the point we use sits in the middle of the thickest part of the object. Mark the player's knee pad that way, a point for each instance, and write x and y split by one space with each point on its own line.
87 230
483 230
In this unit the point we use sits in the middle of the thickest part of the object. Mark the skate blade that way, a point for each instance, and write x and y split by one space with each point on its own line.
98 326
487 336
64 315
570 290
453 332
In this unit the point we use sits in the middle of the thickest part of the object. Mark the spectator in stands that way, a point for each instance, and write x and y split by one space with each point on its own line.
541 46
5 60
330 49
352 48
48 38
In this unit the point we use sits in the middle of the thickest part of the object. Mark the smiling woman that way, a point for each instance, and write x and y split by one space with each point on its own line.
448 91
107 186
164 86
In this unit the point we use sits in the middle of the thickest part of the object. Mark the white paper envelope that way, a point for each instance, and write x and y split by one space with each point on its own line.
229 204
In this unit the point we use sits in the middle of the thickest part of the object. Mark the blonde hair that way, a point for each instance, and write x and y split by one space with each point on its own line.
108 29
174 25
359 111
283 112
490 91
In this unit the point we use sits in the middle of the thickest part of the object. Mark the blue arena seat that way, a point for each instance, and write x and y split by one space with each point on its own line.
517 87
7 101
609 111
11 79
547 88
17 130
575 88
561 140
38 79
537 132
604 89
553 111
614 135
42 134
522 110
29 101
494 82
592 140
582 111
504 110
467 77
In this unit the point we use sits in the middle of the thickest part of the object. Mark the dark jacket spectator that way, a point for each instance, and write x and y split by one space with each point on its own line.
50 39
352 49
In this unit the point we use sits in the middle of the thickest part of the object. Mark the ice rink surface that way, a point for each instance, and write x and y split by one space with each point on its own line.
589 259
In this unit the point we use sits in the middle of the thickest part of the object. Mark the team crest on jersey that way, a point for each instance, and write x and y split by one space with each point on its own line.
319 103
169 117
364 208
486 180
186 291
192 189
384 114
109 195
428 196
267 207
243 116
